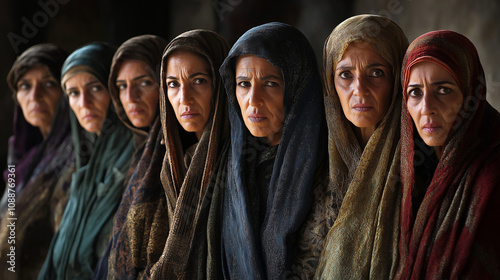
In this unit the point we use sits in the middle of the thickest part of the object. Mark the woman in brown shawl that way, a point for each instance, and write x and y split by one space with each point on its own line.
134 85
41 152
362 59
154 241
187 167
450 163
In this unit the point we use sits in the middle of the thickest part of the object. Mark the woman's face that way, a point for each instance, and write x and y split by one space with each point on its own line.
259 91
89 99
433 100
189 90
38 93
363 80
139 92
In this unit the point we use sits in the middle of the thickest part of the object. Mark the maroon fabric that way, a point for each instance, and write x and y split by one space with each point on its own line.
455 232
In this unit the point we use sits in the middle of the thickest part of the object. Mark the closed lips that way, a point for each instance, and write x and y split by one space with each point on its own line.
256 117
189 114
431 127
362 107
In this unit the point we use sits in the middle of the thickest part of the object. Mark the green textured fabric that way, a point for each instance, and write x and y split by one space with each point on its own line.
97 184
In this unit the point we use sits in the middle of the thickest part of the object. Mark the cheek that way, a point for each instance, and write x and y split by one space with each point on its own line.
103 101
413 110
152 99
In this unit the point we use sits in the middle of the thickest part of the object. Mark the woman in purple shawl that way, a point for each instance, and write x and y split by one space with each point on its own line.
41 154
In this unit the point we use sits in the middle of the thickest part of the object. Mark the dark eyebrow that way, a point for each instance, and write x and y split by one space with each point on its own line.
134 79
349 67
43 78
198 74
414 85
190 76
271 77
92 82
377 65
437 83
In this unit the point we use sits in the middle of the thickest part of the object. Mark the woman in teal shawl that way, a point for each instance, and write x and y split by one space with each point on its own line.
103 152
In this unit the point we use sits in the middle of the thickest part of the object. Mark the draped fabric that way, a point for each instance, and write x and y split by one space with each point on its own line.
454 233
125 257
362 242
261 248
161 220
25 143
97 184
42 173
145 48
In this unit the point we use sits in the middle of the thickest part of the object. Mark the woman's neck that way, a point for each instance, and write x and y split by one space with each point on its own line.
439 151
363 134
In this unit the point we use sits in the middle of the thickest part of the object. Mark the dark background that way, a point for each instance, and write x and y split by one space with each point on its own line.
72 23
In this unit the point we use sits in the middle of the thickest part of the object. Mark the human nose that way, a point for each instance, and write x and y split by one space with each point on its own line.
428 104
132 93
36 91
85 99
255 96
360 86
185 95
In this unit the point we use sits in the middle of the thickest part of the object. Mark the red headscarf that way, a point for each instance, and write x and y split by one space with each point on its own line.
455 233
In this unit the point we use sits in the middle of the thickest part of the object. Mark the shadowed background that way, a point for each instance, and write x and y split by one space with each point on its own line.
72 23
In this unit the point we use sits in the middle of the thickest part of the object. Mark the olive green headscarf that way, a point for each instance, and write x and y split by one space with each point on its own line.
362 243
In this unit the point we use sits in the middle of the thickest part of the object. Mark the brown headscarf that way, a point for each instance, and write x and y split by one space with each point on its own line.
130 253
454 234
362 242
145 48
185 187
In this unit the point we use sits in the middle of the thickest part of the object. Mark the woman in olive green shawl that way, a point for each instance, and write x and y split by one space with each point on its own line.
364 167
103 151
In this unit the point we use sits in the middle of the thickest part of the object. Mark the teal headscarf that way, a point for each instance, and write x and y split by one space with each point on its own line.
97 184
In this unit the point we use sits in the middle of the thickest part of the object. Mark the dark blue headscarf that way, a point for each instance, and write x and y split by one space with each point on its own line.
263 250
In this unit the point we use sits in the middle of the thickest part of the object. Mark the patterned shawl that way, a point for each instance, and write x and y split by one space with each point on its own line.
97 184
362 242
42 186
262 249
455 232
160 222
126 257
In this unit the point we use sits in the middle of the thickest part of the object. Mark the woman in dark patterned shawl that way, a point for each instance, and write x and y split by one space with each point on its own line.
450 151
43 164
135 82
267 190
103 150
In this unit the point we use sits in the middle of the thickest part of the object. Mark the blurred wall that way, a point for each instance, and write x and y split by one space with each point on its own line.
479 20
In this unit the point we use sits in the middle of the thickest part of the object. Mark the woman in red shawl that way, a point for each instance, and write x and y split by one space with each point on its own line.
450 161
